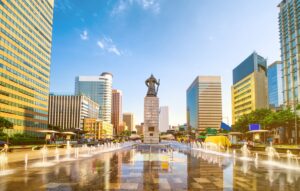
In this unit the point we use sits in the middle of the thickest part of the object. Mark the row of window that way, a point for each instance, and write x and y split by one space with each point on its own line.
38 117
22 91
26 123
31 33
242 94
9 103
40 13
24 84
14 72
32 21
12 63
32 56
21 98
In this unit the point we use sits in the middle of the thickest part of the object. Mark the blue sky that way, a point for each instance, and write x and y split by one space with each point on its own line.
176 40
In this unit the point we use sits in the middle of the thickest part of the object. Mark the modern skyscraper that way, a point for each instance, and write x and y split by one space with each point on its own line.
163 119
204 103
289 21
116 112
25 57
275 91
250 86
99 89
128 118
68 112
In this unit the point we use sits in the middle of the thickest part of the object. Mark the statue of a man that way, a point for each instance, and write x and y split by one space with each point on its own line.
150 83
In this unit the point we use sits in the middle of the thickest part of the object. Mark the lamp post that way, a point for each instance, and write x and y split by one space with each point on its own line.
296 128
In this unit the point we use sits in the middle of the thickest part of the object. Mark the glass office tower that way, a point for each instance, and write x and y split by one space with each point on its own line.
204 103
99 89
250 86
289 22
25 56
275 85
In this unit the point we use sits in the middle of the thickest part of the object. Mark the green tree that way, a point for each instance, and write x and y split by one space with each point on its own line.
5 124
257 116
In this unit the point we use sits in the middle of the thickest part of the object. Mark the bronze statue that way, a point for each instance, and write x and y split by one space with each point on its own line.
150 83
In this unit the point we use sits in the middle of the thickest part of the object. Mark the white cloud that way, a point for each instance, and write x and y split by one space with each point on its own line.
84 35
100 44
107 44
123 5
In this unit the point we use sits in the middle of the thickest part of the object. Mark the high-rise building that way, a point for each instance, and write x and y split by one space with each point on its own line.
99 89
25 57
128 118
68 112
289 22
204 103
250 86
163 119
116 111
275 91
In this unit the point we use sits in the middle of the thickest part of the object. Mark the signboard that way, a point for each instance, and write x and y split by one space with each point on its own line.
253 127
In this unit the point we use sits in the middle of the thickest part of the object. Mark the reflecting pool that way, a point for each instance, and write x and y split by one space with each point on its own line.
145 167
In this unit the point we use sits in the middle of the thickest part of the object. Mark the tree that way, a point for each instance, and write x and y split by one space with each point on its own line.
257 116
5 124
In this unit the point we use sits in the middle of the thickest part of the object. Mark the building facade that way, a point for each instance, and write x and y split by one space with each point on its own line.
275 91
68 112
25 57
97 129
163 119
139 129
128 118
99 89
289 22
204 103
116 112
250 86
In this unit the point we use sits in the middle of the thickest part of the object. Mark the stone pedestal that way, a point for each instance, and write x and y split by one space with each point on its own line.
151 117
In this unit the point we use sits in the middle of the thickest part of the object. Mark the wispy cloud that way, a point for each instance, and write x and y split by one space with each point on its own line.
107 44
84 35
148 5
63 5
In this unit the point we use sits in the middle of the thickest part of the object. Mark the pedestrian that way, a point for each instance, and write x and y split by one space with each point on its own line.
5 148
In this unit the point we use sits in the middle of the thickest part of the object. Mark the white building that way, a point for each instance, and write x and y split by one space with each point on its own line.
163 118
99 89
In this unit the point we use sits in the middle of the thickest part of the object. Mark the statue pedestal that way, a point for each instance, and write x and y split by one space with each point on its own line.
151 117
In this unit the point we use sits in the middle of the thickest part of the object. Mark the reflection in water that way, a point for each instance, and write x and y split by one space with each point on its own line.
154 168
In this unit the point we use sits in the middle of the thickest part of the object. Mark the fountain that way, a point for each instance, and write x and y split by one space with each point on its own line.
44 152
245 152
26 161
271 152
44 163
56 154
68 151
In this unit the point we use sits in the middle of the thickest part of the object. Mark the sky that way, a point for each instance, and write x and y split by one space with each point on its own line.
176 40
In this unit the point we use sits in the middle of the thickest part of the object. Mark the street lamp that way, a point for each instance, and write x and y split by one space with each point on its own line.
296 128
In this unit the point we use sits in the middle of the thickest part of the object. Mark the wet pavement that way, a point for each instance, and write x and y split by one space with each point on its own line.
152 168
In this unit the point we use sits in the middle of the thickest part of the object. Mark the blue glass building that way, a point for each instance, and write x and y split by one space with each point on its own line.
99 89
204 103
252 63
275 89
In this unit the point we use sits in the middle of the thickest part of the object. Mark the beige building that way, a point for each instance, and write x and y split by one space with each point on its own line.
250 86
116 115
139 129
67 112
128 118
204 103
97 129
